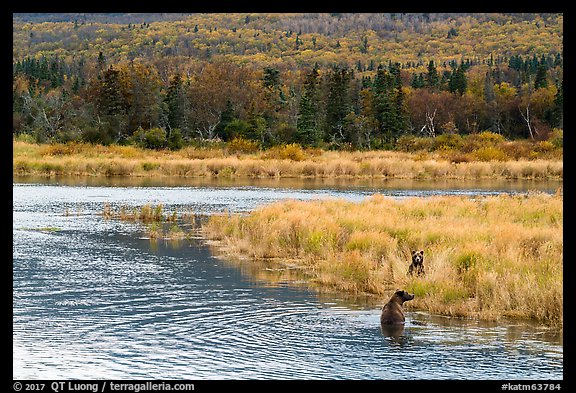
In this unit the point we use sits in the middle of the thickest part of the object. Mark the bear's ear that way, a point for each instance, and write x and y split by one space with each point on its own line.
422 252
414 252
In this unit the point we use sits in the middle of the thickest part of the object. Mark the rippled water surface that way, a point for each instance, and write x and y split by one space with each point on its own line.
93 299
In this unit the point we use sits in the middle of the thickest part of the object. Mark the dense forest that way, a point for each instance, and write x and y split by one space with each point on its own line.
357 81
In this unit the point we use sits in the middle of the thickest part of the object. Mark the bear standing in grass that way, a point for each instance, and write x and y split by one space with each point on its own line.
417 265
392 312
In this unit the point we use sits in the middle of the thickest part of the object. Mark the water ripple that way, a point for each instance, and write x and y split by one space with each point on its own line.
92 300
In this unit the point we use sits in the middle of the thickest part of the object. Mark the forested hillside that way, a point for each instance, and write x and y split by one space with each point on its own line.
330 80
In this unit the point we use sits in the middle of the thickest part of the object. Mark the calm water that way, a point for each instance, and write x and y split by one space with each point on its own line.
93 299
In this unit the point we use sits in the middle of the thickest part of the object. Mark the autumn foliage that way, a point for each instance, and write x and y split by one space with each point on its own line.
340 81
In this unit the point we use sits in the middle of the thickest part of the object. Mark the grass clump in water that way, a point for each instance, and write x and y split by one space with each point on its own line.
485 257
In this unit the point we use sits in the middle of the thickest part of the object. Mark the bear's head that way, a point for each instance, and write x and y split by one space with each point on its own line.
418 257
403 296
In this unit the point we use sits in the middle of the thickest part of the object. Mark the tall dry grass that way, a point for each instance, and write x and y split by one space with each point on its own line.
485 257
80 159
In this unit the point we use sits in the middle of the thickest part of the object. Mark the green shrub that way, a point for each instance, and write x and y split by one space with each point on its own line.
420 287
467 261
149 166
73 135
49 167
155 138
236 129
557 137
27 138
448 141
96 135
452 294
175 141
314 243
227 172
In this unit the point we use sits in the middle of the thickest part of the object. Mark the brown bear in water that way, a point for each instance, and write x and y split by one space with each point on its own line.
417 264
392 312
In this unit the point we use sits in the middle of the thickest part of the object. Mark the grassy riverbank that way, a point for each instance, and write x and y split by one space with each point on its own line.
288 161
485 257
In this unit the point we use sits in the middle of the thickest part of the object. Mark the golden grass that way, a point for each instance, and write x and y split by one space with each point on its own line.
485 257
290 161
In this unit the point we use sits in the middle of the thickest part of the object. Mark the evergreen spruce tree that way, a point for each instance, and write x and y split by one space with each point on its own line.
175 102
56 74
308 131
112 107
432 78
394 69
271 78
111 101
557 117
364 47
414 82
338 103
274 95
76 85
226 117
401 115
390 103
458 82
366 82
383 103
541 77
43 70
534 63
445 80
558 60
101 63
515 62
418 81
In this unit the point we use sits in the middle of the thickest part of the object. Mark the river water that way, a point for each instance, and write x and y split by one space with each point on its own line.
94 299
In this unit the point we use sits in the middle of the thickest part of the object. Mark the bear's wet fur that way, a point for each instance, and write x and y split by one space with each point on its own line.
392 312
417 265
